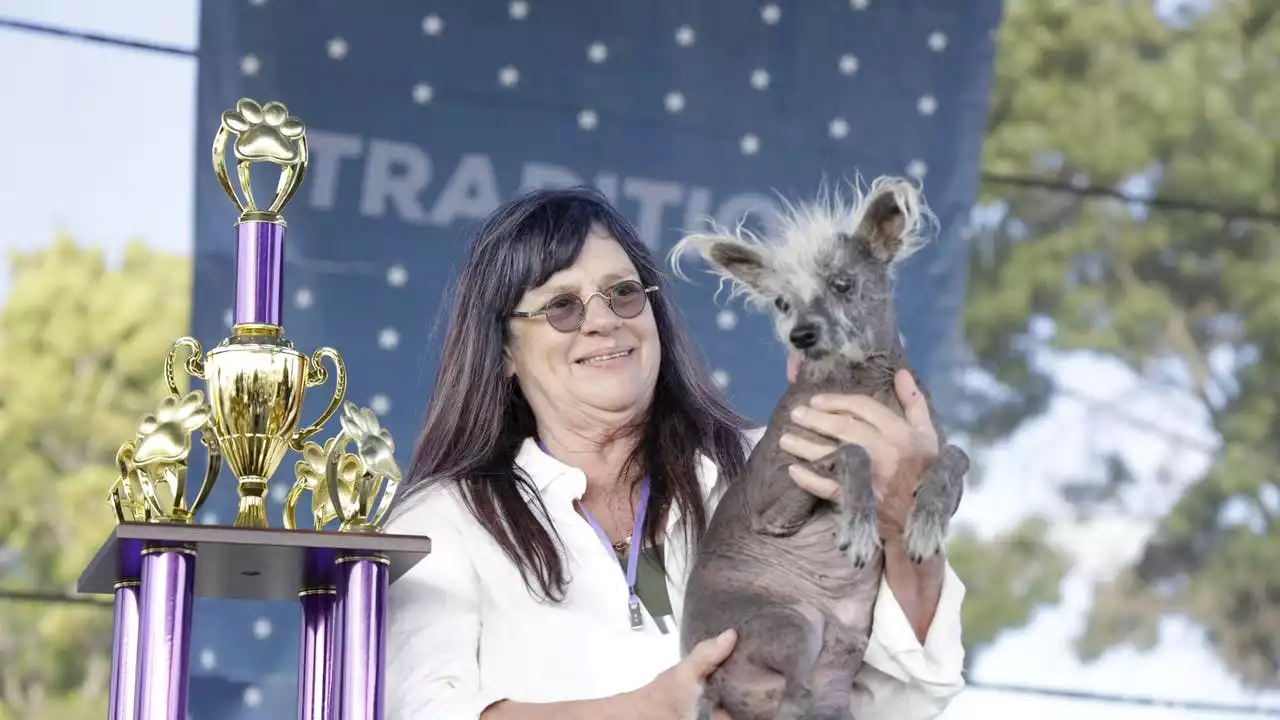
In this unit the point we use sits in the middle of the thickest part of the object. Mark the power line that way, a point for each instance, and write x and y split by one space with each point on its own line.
1022 181
46 596
96 38
1171 203
1145 701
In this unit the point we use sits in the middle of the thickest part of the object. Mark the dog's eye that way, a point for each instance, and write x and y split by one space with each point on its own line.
781 305
841 285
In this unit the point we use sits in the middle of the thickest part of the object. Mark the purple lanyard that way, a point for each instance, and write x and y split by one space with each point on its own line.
633 552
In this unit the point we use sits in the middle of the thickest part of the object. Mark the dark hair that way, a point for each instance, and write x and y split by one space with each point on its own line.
477 417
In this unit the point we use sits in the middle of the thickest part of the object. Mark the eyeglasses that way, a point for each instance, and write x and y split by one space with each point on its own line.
566 312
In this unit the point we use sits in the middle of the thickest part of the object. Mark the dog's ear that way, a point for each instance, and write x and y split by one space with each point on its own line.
890 215
747 266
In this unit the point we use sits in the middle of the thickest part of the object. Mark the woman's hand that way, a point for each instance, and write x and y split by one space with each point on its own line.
675 693
901 449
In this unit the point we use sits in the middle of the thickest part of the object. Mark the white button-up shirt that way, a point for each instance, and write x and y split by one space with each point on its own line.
463 632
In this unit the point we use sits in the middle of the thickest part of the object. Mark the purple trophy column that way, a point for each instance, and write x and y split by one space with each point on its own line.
362 603
123 704
168 592
317 661
259 273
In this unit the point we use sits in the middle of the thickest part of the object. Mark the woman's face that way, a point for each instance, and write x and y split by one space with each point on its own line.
604 372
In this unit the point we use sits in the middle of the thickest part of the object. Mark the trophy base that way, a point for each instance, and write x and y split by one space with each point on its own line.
244 563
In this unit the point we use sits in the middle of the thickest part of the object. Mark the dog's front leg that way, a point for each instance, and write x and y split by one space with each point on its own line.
937 498
780 507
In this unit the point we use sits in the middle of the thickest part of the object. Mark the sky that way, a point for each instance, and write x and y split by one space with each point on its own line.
84 102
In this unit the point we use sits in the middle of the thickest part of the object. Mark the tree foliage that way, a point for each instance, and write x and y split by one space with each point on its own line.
83 346
1097 94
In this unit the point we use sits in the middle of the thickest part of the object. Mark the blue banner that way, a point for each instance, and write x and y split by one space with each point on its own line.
423 116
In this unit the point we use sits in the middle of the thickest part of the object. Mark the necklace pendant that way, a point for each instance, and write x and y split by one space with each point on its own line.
637 619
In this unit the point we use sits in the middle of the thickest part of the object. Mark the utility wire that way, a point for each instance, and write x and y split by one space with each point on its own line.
94 37
1022 181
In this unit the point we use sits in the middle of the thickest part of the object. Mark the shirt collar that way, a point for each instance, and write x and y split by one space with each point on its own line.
543 470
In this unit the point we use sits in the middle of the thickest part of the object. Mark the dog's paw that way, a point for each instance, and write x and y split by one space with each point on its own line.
859 536
926 532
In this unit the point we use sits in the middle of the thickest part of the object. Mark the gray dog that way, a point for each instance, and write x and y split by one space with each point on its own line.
795 575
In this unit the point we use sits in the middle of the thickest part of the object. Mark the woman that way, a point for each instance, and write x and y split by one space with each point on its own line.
573 450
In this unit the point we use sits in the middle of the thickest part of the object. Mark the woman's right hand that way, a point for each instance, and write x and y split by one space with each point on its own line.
675 693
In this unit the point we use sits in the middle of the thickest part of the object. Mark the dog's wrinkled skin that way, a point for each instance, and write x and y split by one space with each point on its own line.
795 575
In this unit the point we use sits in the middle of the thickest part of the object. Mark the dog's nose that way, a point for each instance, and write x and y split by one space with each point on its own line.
804 336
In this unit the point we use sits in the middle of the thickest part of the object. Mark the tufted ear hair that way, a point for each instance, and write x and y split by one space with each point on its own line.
748 266
891 217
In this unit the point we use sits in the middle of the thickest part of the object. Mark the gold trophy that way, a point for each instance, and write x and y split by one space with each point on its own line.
256 382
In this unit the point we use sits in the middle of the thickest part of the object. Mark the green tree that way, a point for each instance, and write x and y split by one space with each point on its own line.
1096 94
83 346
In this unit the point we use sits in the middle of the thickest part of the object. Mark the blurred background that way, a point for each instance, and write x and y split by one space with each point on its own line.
1098 318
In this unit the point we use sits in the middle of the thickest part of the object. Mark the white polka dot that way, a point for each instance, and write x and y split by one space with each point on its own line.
771 14
432 24
838 128
726 320
518 9
258 3
388 339
749 144
227 317
674 101
304 298
252 696
859 4
279 492
423 93
250 65
208 518
208 660
685 36
760 79
927 104
380 404
337 48
848 64
397 275
917 168
720 378
508 76
262 628
588 120
597 52
937 41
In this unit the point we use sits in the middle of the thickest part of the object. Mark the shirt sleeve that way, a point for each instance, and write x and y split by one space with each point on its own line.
433 626
902 679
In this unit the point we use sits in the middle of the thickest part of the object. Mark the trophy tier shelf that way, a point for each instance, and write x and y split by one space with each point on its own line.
245 563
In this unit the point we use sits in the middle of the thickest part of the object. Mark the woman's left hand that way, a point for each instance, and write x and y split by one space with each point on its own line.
901 449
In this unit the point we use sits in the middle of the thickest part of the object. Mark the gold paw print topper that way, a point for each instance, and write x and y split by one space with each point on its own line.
263 133
344 485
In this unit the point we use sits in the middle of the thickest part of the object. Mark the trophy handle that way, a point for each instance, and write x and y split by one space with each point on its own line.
387 485
213 466
194 364
331 475
315 377
291 505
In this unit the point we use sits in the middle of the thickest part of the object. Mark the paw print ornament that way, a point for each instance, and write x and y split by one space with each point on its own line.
310 473
379 471
263 134
153 466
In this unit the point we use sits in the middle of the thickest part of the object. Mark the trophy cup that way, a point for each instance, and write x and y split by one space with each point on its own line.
157 559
